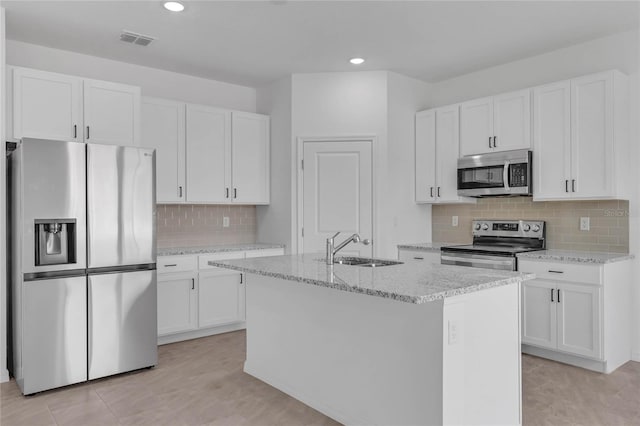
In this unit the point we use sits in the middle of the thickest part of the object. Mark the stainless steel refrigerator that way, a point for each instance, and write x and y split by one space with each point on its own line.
83 254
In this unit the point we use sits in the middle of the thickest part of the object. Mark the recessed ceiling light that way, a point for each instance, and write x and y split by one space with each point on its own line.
174 6
356 61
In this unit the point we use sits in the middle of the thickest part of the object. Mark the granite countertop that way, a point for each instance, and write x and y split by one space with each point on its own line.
414 282
576 256
427 246
173 251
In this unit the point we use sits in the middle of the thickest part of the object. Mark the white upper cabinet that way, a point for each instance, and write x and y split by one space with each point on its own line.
476 127
580 138
55 106
437 142
46 105
208 154
498 123
111 113
163 128
250 158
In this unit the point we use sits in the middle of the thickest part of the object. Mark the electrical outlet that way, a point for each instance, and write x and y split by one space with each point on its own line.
225 221
584 223
454 220
453 332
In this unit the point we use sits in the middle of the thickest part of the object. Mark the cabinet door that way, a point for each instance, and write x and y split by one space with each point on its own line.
250 158
177 303
163 129
579 320
539 301
111 113
46 105
447 146
208 154
592 135
552 141
476 127
512 120
221 298
425 157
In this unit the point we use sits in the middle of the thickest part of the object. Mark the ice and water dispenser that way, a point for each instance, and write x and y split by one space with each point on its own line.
55 241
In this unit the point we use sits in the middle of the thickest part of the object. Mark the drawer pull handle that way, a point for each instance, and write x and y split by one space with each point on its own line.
419 258
170 265
556 272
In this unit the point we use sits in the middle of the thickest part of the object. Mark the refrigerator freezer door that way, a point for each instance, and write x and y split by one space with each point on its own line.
121 206
49 184
123 324
55 333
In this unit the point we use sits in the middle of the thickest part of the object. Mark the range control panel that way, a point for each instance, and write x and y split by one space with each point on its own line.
508 228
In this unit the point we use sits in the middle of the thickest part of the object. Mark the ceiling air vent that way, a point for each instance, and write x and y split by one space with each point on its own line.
135 38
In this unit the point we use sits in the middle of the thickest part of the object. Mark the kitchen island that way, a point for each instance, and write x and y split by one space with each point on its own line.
402 344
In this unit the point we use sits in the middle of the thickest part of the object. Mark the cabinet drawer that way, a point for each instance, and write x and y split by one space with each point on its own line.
167 264
418 256
203 259
265 252
560 271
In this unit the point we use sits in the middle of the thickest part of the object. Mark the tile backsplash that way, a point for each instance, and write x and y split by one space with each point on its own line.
186 225
609 221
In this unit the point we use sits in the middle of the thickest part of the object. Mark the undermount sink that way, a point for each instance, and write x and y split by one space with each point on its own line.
364 261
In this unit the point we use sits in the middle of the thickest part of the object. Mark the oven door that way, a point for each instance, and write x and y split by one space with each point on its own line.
476 260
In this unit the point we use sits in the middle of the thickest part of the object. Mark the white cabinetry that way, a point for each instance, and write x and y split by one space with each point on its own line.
577 313
196 299
407 256
436 157
207 155
498 123
62 107
163 129
580 138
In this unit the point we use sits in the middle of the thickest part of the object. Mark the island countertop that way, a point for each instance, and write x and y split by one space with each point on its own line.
413 282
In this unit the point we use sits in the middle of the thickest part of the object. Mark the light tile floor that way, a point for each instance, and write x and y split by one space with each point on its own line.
201 382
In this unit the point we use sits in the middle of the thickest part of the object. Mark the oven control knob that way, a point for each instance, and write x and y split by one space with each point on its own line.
476 227
536 228
526 227
485 226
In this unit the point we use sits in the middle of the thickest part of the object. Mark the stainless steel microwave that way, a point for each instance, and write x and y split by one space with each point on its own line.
494 174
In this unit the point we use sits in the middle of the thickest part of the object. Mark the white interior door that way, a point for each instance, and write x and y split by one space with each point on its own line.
337 194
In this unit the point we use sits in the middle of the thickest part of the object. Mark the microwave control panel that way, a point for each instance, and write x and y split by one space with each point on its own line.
518 174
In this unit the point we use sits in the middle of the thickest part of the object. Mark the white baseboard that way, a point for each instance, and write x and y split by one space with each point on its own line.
304 398
195 334
593 365
4 375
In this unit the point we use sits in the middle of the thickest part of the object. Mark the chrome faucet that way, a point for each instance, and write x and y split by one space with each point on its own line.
332 250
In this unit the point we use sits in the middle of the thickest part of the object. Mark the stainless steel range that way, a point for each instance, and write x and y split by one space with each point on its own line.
496 244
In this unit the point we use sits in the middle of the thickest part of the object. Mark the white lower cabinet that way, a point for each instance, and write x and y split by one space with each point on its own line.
177 302
196 300
578 314
220 298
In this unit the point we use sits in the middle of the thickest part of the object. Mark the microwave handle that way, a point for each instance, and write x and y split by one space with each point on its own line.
505 175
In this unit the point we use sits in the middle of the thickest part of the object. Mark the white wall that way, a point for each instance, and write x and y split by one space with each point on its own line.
4 374
409 222
154 82
274 222
372 103
619 51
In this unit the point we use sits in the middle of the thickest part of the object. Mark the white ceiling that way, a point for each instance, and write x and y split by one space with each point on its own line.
253 43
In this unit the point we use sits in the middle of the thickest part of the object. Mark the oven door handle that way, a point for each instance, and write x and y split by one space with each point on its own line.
474 259
505 175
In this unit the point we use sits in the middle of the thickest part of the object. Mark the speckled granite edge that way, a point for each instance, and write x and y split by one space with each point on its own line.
576 256
343 286
434 247
176 251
